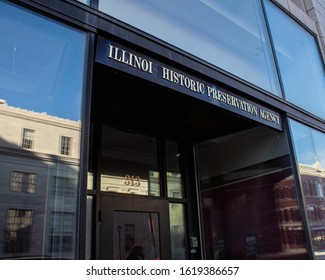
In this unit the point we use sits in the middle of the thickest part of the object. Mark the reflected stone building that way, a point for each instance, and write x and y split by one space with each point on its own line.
313 181
39 176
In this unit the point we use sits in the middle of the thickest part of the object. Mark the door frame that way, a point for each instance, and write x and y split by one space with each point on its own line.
114 202
189 200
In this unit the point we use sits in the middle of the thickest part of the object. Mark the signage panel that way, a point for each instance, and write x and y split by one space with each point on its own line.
124 59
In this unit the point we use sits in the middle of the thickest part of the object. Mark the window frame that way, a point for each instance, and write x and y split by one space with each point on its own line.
316 39
65 145
26 183
28 138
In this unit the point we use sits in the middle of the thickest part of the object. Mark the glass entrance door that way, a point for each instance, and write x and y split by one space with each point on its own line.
134 219
134 228
137 201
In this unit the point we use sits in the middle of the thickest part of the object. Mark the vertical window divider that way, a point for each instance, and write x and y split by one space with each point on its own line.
162 166
270 38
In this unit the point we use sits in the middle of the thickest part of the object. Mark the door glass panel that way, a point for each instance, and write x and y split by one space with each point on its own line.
174 176
136 235
129 163
177 231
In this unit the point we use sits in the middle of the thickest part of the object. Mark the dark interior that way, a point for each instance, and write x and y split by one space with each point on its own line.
121 99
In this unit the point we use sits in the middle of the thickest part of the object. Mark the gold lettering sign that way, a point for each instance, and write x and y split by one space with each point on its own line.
122 58
133 181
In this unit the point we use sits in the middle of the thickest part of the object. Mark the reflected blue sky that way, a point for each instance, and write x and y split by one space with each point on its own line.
308 144
229 34
299 60
41 63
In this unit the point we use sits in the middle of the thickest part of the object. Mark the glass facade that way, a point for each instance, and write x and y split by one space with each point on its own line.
310 152
87 2
249 204
229 34
41 88
299 60
248 197
129 163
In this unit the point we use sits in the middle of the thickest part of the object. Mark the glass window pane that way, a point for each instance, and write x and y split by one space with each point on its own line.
129 163
299 60
177 231
41 88
136 236
229 34
87 2
174 176
249 205
310 152
89 226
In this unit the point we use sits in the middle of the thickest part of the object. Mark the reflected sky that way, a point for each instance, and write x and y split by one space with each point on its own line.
309 144
299 60
41 63
229 34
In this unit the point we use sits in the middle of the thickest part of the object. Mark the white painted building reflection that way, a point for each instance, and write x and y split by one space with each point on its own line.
39 173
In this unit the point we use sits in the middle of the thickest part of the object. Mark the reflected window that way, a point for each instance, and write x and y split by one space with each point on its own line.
129 233
319 189
300 62
229 34
129 163
28 138
18 231
64 186
61 236
23 182
136 236
65 145
249 205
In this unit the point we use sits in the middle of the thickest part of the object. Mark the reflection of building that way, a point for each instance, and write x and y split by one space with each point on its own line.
201 128
289 216
312 178
313 182
255 219
39 177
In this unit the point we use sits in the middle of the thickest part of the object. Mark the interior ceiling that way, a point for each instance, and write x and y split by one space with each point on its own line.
120 98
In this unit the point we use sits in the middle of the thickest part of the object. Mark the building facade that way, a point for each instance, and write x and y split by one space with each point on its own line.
169 129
